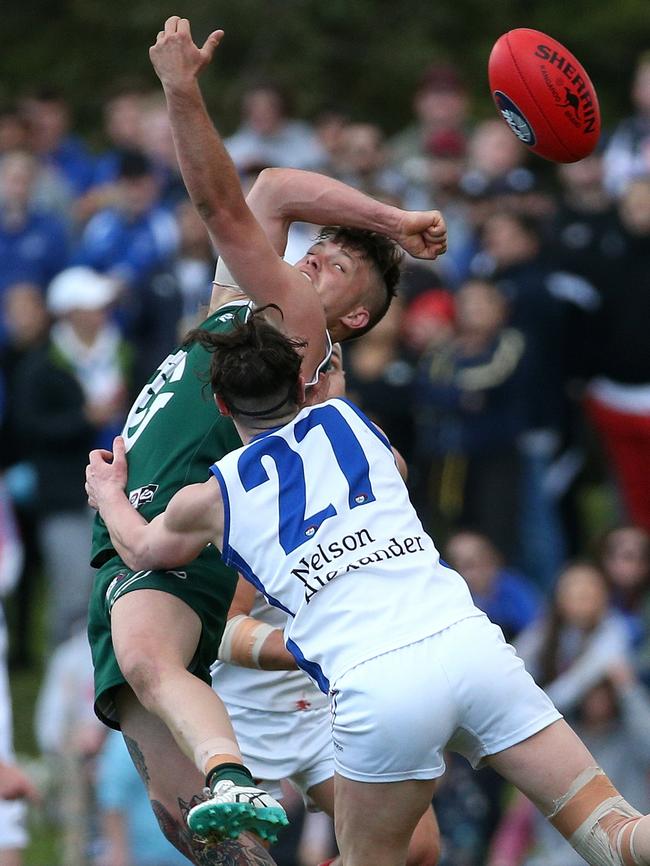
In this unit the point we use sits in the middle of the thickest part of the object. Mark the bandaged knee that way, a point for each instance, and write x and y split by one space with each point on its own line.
597 821
242 641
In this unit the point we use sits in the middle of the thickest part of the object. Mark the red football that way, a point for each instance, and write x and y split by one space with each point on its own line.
544 95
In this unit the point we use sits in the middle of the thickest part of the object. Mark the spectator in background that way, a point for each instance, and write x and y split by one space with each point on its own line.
15 785
624 557
427 322
627 156
446 157
613 721
329 128
50 192
68 393
193 267
541 302
496 162
618 396
158 145
505 595
363 163
570 649
584 231
88 343
122 116
27 323
469 406
69 735
33 244
465 814
131 835
379 378
440 104
135 238
49 119
13 836
496 178
14 132
268 135
122 125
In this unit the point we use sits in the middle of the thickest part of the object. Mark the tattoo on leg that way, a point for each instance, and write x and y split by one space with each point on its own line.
179 835
245 851
138 759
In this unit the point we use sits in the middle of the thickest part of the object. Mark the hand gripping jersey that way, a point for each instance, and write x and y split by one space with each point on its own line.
174 429
318 518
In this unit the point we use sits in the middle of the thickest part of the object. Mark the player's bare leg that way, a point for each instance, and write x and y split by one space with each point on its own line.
375 821
555 770
424 846
173 784
155 636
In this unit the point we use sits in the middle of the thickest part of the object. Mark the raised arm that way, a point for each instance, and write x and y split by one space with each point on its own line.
213 185
281 196
192 519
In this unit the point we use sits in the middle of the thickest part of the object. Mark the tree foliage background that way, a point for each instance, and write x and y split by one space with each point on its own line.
364 56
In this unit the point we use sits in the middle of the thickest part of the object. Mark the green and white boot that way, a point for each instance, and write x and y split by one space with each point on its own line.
232 809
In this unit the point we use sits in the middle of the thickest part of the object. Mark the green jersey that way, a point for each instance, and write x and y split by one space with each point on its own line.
174 431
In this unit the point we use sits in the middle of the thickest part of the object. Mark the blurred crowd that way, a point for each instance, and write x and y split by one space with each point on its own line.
513 375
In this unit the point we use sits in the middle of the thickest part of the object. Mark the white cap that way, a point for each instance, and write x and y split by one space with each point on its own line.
80 288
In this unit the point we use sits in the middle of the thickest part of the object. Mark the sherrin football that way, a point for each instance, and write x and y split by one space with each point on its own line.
544 95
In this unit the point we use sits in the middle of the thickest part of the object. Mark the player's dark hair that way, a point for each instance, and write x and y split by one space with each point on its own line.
254 367
385 257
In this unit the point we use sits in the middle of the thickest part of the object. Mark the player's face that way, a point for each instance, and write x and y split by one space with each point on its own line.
340 276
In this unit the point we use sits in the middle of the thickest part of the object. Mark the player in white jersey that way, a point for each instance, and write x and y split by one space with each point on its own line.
281 719
315 514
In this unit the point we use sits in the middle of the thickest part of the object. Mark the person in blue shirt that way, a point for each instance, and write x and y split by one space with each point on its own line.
505 595
48 116
136 238
131 832
33 243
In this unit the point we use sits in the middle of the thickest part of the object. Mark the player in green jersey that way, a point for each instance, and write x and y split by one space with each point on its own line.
153 633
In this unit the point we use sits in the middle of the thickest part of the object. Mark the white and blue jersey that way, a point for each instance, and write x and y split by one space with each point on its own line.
318 518
269 691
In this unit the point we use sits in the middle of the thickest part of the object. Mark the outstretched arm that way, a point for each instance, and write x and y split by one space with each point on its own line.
192 519
213 185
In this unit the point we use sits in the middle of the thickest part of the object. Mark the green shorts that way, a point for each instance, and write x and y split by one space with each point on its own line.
206 585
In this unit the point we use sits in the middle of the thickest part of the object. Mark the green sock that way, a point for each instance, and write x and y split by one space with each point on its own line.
237 773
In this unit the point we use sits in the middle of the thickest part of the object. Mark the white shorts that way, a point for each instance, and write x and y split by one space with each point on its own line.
294 745
463 689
